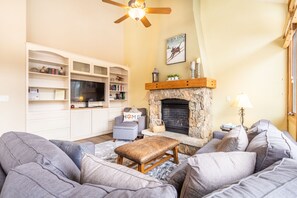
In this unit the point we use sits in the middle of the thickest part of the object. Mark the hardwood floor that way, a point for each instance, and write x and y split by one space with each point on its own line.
97 139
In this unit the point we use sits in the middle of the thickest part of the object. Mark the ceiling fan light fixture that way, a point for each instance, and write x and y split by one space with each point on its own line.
136 13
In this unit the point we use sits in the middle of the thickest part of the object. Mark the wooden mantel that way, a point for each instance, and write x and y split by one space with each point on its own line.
178 84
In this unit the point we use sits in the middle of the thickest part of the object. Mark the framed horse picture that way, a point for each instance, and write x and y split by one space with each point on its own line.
176 49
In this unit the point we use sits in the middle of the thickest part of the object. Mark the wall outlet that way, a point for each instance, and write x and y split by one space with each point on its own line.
4 98
228 99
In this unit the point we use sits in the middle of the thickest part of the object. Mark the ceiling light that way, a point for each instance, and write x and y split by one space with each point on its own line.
136 13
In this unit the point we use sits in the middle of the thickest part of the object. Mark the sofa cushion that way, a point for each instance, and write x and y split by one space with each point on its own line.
97 171
235 140
2 178
19 148
271 145
74 150
278 180
35 180
210 171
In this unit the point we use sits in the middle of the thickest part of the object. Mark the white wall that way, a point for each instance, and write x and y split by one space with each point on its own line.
79 26
12 64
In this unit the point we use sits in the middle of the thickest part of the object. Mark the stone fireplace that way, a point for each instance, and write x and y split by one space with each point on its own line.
200 100
189 102
175 114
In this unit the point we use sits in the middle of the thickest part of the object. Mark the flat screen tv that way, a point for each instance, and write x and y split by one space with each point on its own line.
85 91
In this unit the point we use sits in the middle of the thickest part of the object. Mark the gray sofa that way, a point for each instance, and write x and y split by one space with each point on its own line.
31 166
274 173
35 167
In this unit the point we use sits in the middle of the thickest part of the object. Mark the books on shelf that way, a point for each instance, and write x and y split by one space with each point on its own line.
117 88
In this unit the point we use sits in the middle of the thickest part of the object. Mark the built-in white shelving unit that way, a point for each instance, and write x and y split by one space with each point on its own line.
49 75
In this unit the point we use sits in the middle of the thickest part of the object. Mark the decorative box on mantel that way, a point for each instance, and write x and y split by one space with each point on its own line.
198 94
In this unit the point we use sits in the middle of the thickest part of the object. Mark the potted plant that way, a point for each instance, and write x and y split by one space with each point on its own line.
176 76
170 77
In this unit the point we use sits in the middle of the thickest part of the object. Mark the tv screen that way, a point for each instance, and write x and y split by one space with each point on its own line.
83 91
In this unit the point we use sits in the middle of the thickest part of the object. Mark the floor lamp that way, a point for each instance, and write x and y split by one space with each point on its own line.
242 101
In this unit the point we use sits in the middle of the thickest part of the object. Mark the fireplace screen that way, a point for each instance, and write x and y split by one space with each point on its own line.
175 114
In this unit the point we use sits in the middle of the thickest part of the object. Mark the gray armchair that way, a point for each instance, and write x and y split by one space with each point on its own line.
129 130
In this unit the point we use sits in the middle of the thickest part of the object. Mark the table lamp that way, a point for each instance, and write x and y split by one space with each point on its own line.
242 101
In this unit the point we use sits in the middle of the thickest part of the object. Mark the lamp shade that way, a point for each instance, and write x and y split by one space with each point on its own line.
242 101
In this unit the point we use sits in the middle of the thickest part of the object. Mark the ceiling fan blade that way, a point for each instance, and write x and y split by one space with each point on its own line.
145 22
122 18
114 3
158 10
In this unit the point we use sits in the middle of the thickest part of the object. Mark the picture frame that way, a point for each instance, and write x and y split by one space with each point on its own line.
176 49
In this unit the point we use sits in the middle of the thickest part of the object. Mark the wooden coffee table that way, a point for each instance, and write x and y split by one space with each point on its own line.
149 152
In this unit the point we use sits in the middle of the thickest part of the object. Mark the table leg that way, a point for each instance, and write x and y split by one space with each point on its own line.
175 154
141 168
120 160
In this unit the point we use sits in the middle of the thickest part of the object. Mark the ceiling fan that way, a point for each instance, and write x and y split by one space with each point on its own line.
137 10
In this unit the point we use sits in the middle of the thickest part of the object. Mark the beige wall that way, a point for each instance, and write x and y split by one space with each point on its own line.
82 27
141 56
244 54
12 64
240 46
145 48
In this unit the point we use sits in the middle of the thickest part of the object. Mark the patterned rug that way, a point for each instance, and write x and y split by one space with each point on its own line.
105 151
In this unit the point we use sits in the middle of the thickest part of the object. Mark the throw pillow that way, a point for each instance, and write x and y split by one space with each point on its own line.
271 145
131 117
235 140
74 150
97 171
210 171
257 128
19 148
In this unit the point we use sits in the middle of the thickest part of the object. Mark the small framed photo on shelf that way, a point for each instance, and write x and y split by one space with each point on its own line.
59 94
176 49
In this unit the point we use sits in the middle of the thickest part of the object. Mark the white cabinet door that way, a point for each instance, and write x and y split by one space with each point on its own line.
50 125
100 121
81 122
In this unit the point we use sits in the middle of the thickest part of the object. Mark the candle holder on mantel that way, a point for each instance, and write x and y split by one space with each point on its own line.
193 65
198 61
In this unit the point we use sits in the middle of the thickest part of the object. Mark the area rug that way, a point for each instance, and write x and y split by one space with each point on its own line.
106 152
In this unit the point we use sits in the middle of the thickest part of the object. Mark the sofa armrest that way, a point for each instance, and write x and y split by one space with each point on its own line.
75 151
219 134
118 120
141 123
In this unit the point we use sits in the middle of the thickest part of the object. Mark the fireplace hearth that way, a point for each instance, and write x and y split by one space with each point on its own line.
175 114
